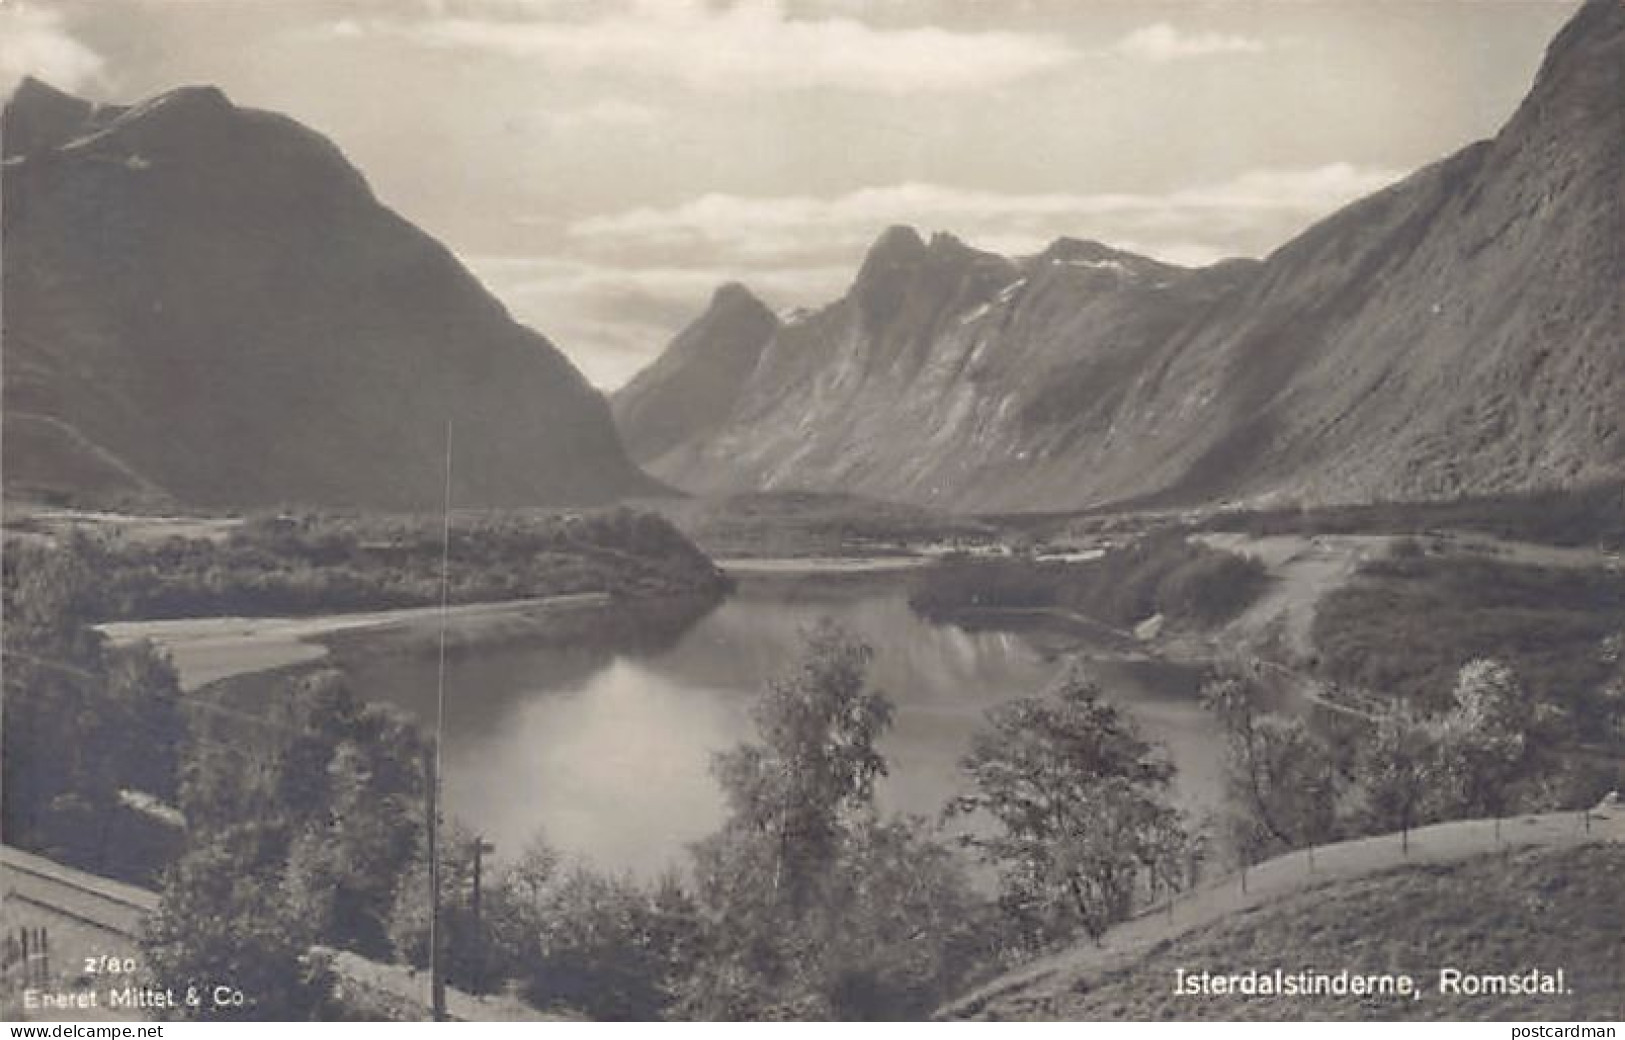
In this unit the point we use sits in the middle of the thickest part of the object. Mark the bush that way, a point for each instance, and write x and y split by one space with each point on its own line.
1210 587
1185 581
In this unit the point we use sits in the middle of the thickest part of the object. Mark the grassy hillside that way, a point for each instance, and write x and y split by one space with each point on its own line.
1545 908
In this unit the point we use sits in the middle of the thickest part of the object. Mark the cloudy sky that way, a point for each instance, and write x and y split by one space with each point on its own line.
604 165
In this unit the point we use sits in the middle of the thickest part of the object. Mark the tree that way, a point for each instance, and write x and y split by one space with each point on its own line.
901 924
298 831
1396 769
1610 698
1282 776
222 921
345 864
410 920
577 939
1483 740
890 930
1080 808
816 763
83 720
808 905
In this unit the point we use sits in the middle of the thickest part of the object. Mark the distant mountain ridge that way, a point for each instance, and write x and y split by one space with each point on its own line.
206 305
1457 332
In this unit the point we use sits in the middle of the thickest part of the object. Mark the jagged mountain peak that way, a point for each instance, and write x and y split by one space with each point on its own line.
898 240
732 296
196 119
1456 332
32 91
38 116
1086 249
691 386
897 247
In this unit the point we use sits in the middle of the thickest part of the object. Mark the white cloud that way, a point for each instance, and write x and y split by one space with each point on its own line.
608 112
746 45
1162 43
34 41
631 280
612 319
1246 214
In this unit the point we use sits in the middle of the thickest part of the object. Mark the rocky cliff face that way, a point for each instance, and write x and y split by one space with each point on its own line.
206 304
1457 332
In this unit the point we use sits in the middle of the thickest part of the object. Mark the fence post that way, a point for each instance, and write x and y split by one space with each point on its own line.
1621 979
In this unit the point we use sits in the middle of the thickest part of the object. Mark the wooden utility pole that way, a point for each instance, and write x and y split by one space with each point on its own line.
437 967
477 969
1619 979
437 973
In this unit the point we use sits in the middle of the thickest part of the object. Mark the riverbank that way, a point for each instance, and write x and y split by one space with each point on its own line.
797 566
207 650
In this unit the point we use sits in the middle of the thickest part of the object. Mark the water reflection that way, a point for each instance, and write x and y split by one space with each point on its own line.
608 754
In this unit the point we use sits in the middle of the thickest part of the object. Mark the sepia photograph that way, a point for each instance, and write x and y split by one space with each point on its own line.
644 511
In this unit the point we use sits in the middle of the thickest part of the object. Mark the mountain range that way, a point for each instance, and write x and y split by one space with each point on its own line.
1458 332
206 305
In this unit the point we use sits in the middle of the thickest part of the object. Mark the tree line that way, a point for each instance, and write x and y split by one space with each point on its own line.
1299 779
309 563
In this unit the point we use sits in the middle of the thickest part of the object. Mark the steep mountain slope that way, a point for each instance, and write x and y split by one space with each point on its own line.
938 377
1457 332
690 389
206 303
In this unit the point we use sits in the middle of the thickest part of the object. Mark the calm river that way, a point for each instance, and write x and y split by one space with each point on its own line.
608 754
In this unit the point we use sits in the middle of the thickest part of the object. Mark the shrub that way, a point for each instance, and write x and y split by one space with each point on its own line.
1163 574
